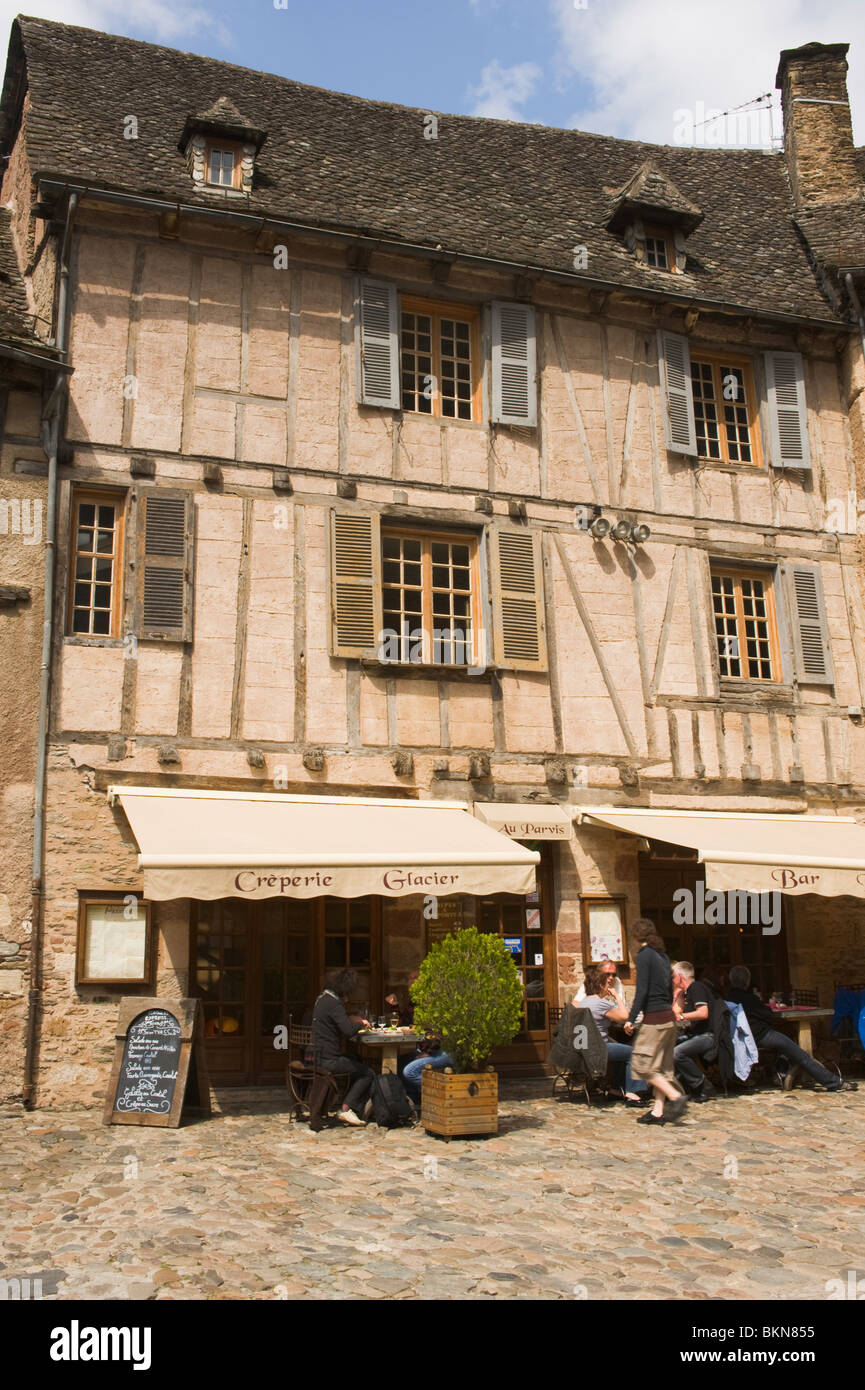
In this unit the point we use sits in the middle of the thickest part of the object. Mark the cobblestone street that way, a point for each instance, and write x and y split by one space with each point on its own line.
757 1196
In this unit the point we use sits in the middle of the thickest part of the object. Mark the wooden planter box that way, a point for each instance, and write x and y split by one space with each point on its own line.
459 1102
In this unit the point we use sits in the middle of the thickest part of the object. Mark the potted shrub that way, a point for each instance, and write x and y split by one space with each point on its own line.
469 992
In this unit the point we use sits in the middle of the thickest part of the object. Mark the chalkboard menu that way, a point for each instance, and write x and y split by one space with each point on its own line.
151 1081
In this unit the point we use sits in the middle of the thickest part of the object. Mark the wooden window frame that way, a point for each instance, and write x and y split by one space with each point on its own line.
473 541
228 147
103 497
746 366
586 903
656 233
438 310
767 579
111 899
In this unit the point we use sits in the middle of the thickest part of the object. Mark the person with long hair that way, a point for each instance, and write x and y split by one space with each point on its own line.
601 1000
652 1057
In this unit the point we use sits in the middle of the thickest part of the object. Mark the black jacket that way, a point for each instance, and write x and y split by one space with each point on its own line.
589 1063
654 989
721 1050
330 1024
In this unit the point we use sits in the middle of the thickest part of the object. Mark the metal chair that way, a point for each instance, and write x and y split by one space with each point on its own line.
845 1040
301 1074
805 999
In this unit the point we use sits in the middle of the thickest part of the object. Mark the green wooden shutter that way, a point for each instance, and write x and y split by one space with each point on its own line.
514 370
165 524
376 335
674 363
787 410
811 648
355 583
519 630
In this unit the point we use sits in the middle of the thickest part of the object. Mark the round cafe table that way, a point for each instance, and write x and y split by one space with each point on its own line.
388 1043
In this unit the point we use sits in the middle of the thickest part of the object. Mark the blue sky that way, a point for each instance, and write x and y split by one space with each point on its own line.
618 67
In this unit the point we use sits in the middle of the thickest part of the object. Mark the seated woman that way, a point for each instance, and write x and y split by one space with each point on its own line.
603 1004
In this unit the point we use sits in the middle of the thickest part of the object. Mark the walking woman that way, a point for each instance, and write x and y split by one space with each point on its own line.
652 1058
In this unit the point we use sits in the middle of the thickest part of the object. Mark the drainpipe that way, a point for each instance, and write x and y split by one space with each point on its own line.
51 441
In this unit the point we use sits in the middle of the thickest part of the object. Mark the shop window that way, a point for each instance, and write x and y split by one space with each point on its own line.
746 632
725 410
348 944
115 944
429 597
96 564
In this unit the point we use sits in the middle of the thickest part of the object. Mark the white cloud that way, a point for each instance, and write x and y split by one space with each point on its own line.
641 60
156 21
502 91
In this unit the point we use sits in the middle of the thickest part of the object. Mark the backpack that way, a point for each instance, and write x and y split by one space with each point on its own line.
390 1104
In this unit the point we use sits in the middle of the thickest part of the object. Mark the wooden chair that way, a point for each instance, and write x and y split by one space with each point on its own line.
301 1073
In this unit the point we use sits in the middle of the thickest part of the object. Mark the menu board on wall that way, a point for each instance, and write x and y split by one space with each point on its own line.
159 1067
606 935
114 945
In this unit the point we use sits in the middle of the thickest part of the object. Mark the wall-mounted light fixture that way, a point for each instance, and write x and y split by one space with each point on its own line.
626 532
599 529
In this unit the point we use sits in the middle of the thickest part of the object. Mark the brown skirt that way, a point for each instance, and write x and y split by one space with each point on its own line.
653 1051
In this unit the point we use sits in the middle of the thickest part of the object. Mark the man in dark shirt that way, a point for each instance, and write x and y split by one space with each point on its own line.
762 1023
691 1001
330 1026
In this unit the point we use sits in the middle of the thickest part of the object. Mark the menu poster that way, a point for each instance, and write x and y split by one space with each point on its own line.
606 934
159 1069
514 945
114 947
533 919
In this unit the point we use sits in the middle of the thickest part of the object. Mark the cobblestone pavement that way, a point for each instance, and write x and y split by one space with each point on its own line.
755 1196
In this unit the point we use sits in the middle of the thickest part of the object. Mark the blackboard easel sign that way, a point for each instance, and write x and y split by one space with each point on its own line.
153 1079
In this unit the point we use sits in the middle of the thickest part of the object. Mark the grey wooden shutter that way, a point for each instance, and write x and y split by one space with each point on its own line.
787 410
674 362
164 563
355 583
811 648
376 335
519 630
514 365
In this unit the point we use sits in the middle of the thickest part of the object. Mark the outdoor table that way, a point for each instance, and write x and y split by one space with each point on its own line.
388 1044
803 1018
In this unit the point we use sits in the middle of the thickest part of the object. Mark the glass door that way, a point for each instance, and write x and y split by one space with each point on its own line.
285 977
222 981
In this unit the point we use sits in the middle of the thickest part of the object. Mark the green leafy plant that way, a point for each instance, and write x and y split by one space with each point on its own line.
469 992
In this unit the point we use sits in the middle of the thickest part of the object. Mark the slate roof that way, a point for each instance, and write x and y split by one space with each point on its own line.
650 191
523 194
16 320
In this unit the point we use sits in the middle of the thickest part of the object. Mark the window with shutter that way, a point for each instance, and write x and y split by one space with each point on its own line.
810 630
518 602
377 343
787 410
725 409
355 584
674 362
514 356
96 564
746 628
165 566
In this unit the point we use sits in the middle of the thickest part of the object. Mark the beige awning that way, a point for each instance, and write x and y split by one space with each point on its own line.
757 853
523 822
203 844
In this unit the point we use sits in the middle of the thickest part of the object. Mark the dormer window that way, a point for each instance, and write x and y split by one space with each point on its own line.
223 166
221 147
653 218
659 252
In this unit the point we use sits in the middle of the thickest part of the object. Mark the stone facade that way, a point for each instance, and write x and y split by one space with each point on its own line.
223 354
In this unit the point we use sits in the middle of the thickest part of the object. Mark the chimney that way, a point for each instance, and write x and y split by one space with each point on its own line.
818 133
